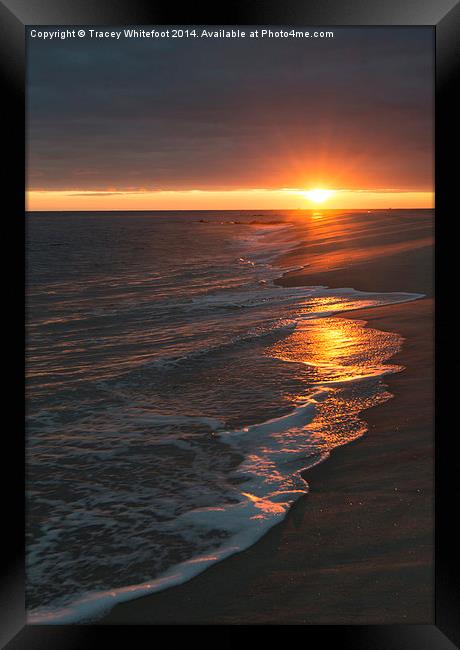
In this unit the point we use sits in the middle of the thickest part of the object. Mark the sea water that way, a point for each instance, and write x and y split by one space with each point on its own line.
175 394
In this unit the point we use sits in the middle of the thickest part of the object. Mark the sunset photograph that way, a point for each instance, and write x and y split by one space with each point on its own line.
229 325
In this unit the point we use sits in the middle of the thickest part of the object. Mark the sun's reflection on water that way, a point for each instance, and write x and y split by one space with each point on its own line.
350 359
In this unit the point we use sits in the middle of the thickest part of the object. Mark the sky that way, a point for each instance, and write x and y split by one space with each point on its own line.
231 124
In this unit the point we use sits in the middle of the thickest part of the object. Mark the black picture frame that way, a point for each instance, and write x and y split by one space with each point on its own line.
15 16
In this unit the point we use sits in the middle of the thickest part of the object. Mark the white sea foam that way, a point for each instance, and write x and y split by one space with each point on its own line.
264 499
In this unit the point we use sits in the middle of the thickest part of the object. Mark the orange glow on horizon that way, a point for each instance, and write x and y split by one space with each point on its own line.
244 199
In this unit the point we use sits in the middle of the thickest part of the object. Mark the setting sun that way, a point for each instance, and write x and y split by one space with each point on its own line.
318 196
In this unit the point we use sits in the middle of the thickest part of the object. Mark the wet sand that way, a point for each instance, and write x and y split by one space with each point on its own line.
358 548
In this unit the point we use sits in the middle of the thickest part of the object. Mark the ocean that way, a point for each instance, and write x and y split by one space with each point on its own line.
175 394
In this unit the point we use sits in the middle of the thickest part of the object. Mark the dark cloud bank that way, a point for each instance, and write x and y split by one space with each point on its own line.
355 111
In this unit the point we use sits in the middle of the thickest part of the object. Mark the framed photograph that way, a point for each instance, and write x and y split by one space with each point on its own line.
229 231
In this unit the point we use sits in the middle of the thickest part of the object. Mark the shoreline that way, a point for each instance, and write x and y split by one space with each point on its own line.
381 581
358 548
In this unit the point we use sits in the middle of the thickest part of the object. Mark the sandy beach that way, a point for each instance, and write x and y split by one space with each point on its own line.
359 547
